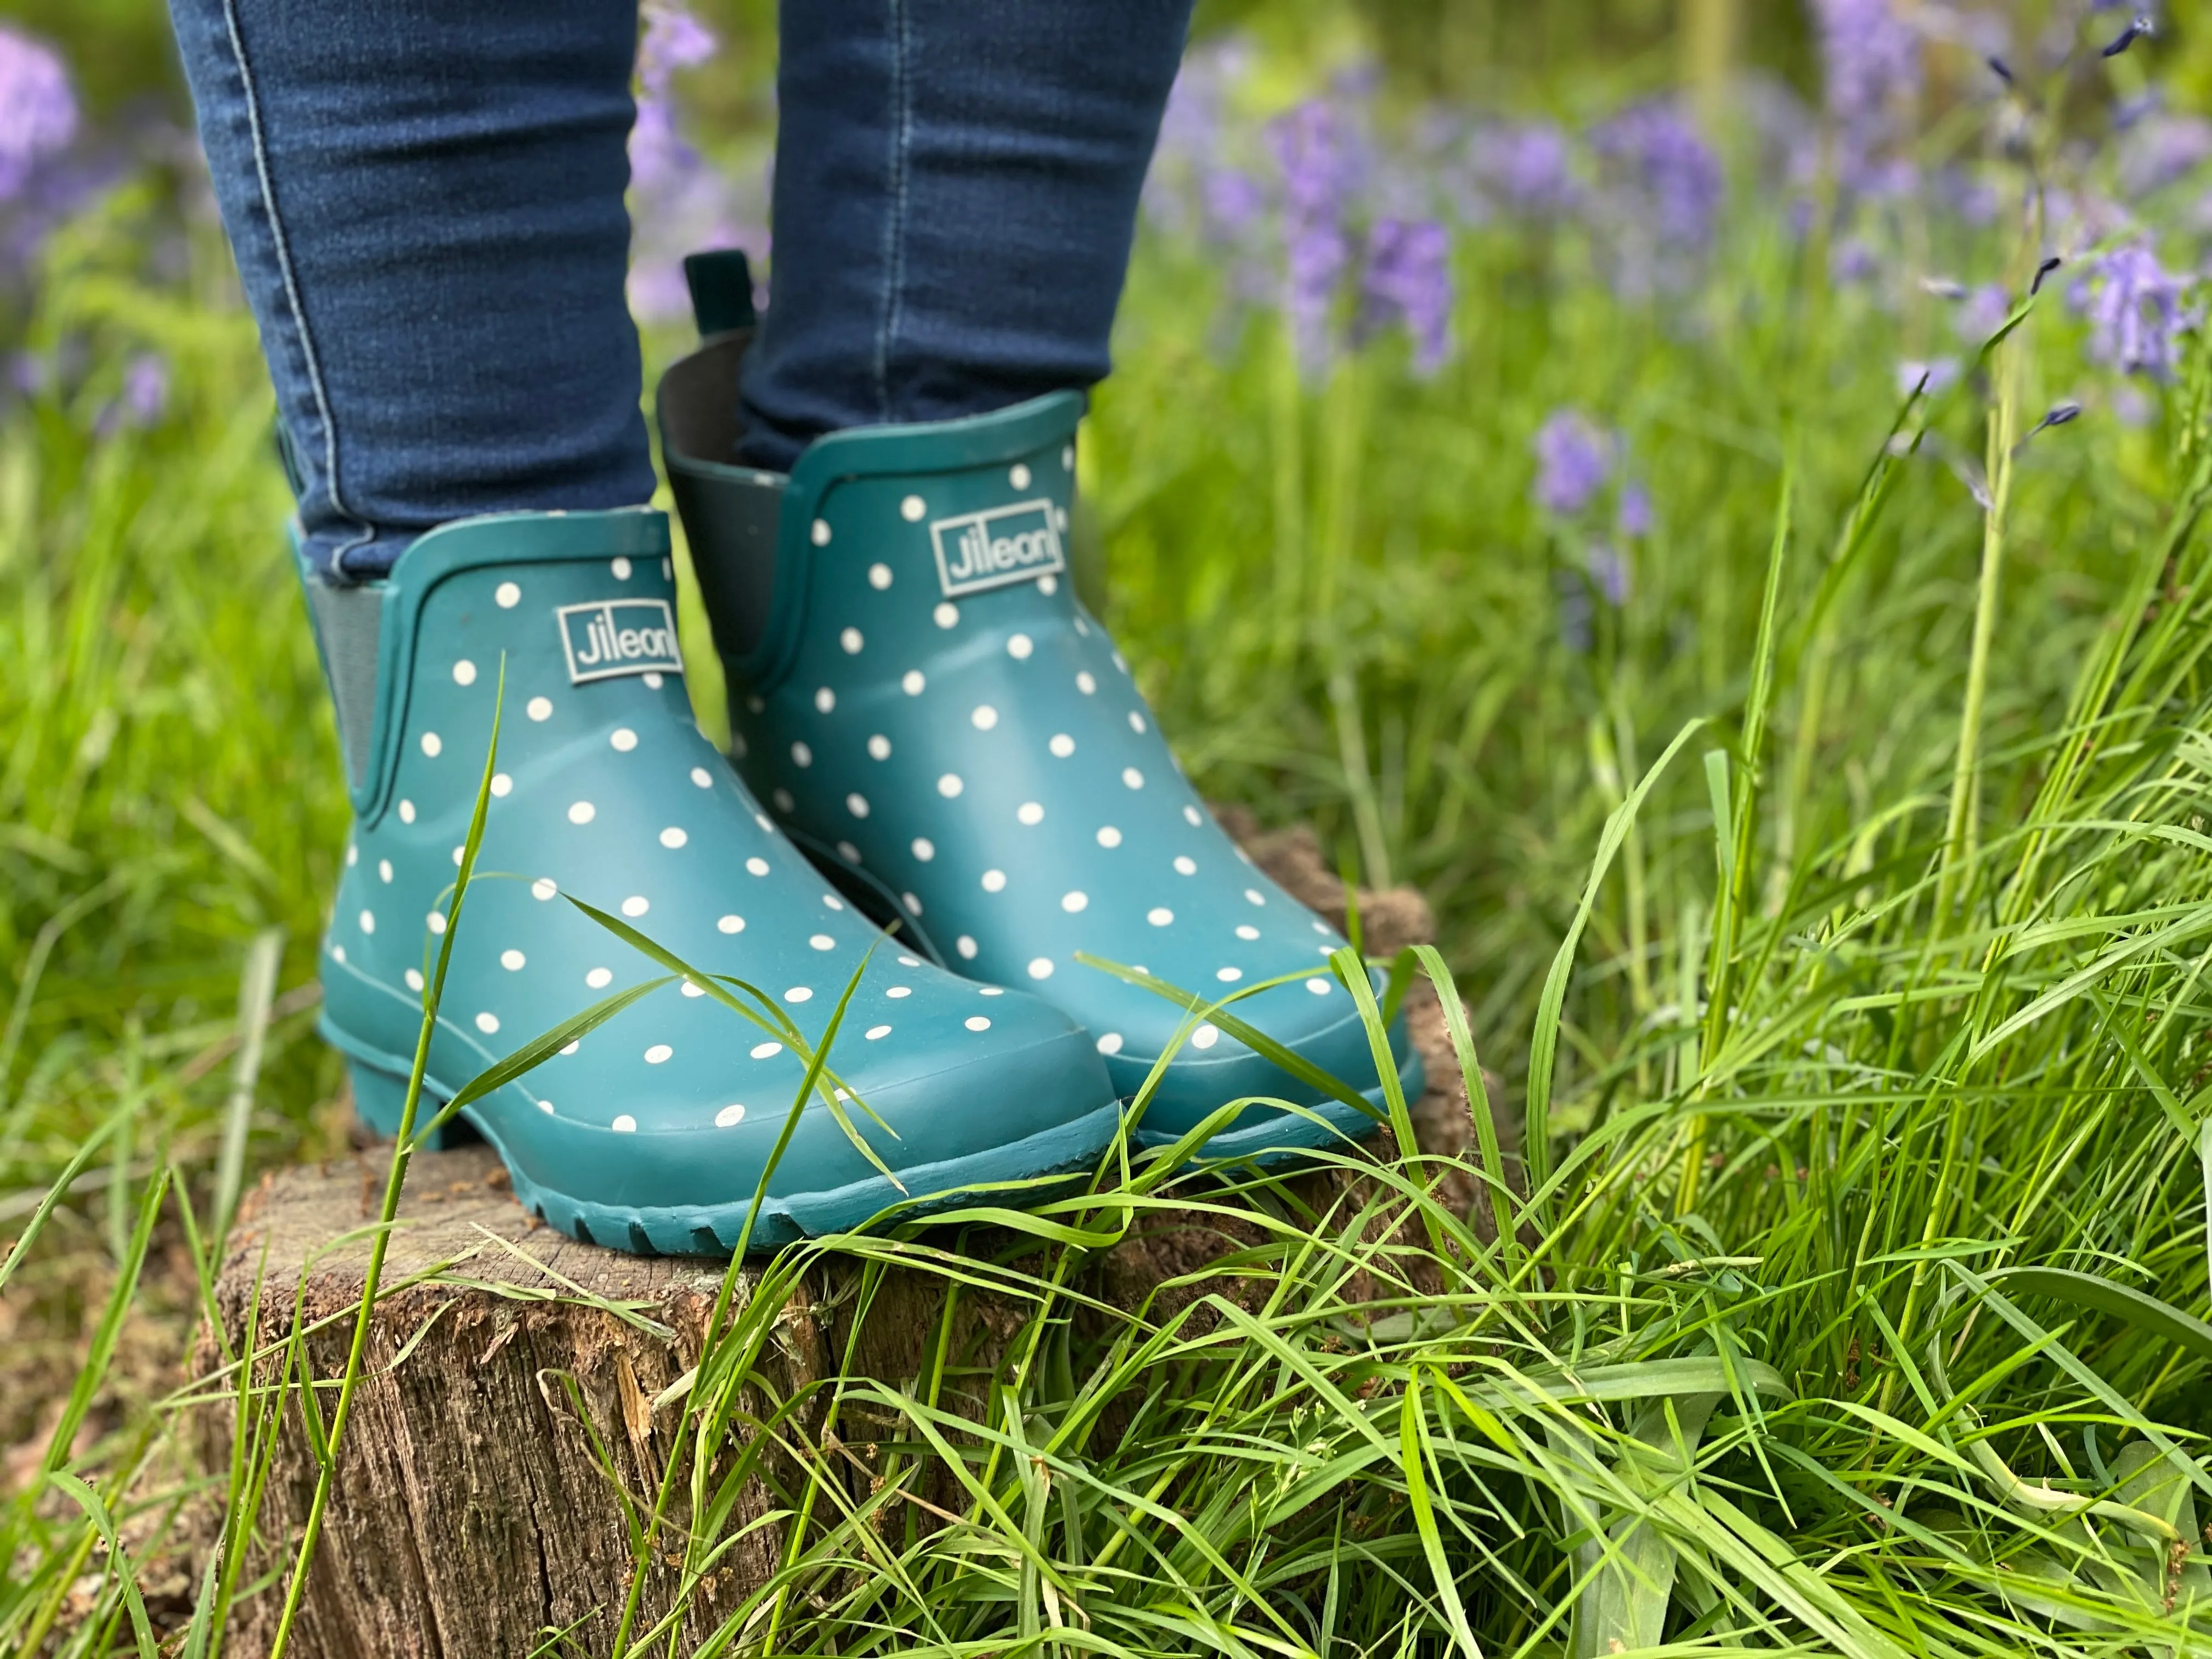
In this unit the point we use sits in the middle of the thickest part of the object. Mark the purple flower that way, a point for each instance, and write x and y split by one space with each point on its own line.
1529 168
1632 517
1573 461
1319 169
1870 72
145 389
1234 202
37 112
2160 149
1408 279
2135 311
1983 312
673 39
1671 174
1934 377
1608 571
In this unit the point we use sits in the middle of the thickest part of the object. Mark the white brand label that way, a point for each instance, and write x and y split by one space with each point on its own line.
618 636
976 550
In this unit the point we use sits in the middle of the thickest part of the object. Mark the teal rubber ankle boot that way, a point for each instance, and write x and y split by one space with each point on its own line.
930 711
648 1133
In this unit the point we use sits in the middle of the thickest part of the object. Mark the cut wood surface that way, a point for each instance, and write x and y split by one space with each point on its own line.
506 1415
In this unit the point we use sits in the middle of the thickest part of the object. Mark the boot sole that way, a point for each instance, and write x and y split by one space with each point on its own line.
715 1229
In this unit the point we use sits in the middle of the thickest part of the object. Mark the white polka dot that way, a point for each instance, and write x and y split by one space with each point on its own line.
460 853
368 921
912 903
1085 683
966 946
950 785
847 852
1019 475
781 800
901 990
1074 901
501 784
672 838
1111 1043
414 980
757 866
572 1048
511 960
824 700
1253 895
1018 646
435 921
1067 457
488 1024
546 1106
1318 985
822 942
991 991
636 905
801 755
691 987
912 682
879 576
1321 928
1136 721
1205 1036
851 640
1190 815
879 747
582 811
821 532
1230 976
407 811
1082 627
1120 662
1031 812
857 805
651 682
1185 865
1040 968
977 1022
1109 835
798 993
1133 777
832 902
464 672
1324 950
702 777
338 953
946 615
1159 916
924 849
877 1033
353 855
732 924
384 869
622 568
766 1050
1048 586
599 978
622 739
624 1125
507 596
912 508
432 744
729 1116
658 1052
1247 931
1061 745
668 570
984 718
995 881
539 708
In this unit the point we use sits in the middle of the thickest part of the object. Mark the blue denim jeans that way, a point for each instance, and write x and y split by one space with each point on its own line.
425 197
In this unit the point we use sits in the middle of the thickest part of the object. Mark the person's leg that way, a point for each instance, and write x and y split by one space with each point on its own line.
955 192
426 201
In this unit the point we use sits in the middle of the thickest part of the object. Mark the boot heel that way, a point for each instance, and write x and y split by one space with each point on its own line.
379 1097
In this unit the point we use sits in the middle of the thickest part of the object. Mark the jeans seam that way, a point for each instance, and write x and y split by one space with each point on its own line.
283 252
894 219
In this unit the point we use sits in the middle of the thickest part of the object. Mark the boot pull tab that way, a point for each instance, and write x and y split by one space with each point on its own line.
721 284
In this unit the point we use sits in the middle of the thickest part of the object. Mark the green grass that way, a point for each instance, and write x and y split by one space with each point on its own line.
1856 1308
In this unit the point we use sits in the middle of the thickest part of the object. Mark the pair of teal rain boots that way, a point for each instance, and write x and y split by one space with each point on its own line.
927 727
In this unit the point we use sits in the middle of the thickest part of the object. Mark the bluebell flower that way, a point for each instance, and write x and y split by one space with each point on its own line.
1574 459
1407 279
1528 168
1871 74
2161 149
1982 312
1609 573
1671 173
1934 377
2135 310
38 111
1317 162
1632 518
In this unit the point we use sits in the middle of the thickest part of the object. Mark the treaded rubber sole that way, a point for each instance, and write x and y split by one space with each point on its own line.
715 1229
1281 1137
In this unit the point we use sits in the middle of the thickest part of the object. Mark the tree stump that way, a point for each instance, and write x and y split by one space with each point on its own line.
503 1432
